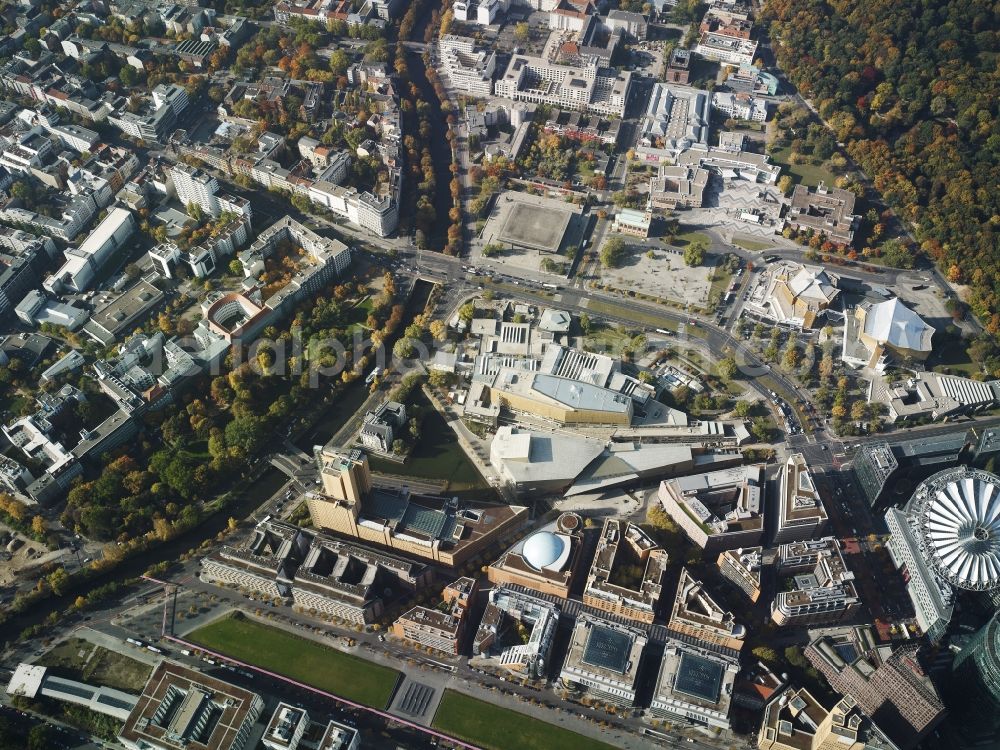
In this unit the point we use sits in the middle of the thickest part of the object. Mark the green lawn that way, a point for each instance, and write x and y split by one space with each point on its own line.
752 245
497 728
952 357
299 659
808 173
607 339
682 238
651 319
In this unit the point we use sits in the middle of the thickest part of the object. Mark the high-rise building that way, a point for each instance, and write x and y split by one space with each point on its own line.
436 528
194 186
741 567
795 720
873 464
895 691
801 514
976 683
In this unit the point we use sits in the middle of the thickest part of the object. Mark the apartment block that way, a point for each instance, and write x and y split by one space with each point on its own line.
469 68
823 587
437 629
625 577
697 618
741 567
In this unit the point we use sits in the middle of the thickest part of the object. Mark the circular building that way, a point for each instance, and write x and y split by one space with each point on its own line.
543 549
956 517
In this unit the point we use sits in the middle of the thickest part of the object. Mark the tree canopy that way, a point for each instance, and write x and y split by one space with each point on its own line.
911 90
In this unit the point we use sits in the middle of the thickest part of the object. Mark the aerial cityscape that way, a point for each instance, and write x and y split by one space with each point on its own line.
499 375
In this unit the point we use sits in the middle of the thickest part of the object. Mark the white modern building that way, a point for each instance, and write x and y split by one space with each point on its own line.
677 118
726 49
85 262
946 536
589 87
469 69
738 106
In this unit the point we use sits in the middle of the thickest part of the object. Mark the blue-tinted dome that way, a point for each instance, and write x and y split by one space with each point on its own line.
542 549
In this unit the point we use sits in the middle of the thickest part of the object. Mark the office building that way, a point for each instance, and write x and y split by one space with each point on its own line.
976 684
677 119
826 211
587 87
741 567
285 729
437 629
741 106
84 263
381 426
603 659
697 618
313 572
895 690
545 561
435 528
932 394
183 709
498 643
718 510
933 599
676 187
795 720
822 586
801 514
339 736
726 49
694 684
30 681
625 577
873 464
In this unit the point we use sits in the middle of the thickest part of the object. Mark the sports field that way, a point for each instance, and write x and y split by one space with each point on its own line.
299 658
496 728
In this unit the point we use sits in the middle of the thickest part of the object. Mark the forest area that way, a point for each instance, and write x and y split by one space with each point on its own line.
912 90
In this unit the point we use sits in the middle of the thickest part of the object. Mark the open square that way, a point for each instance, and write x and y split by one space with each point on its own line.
653 267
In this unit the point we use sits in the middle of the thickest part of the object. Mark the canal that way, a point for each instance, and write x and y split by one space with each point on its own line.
439 145
265 484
